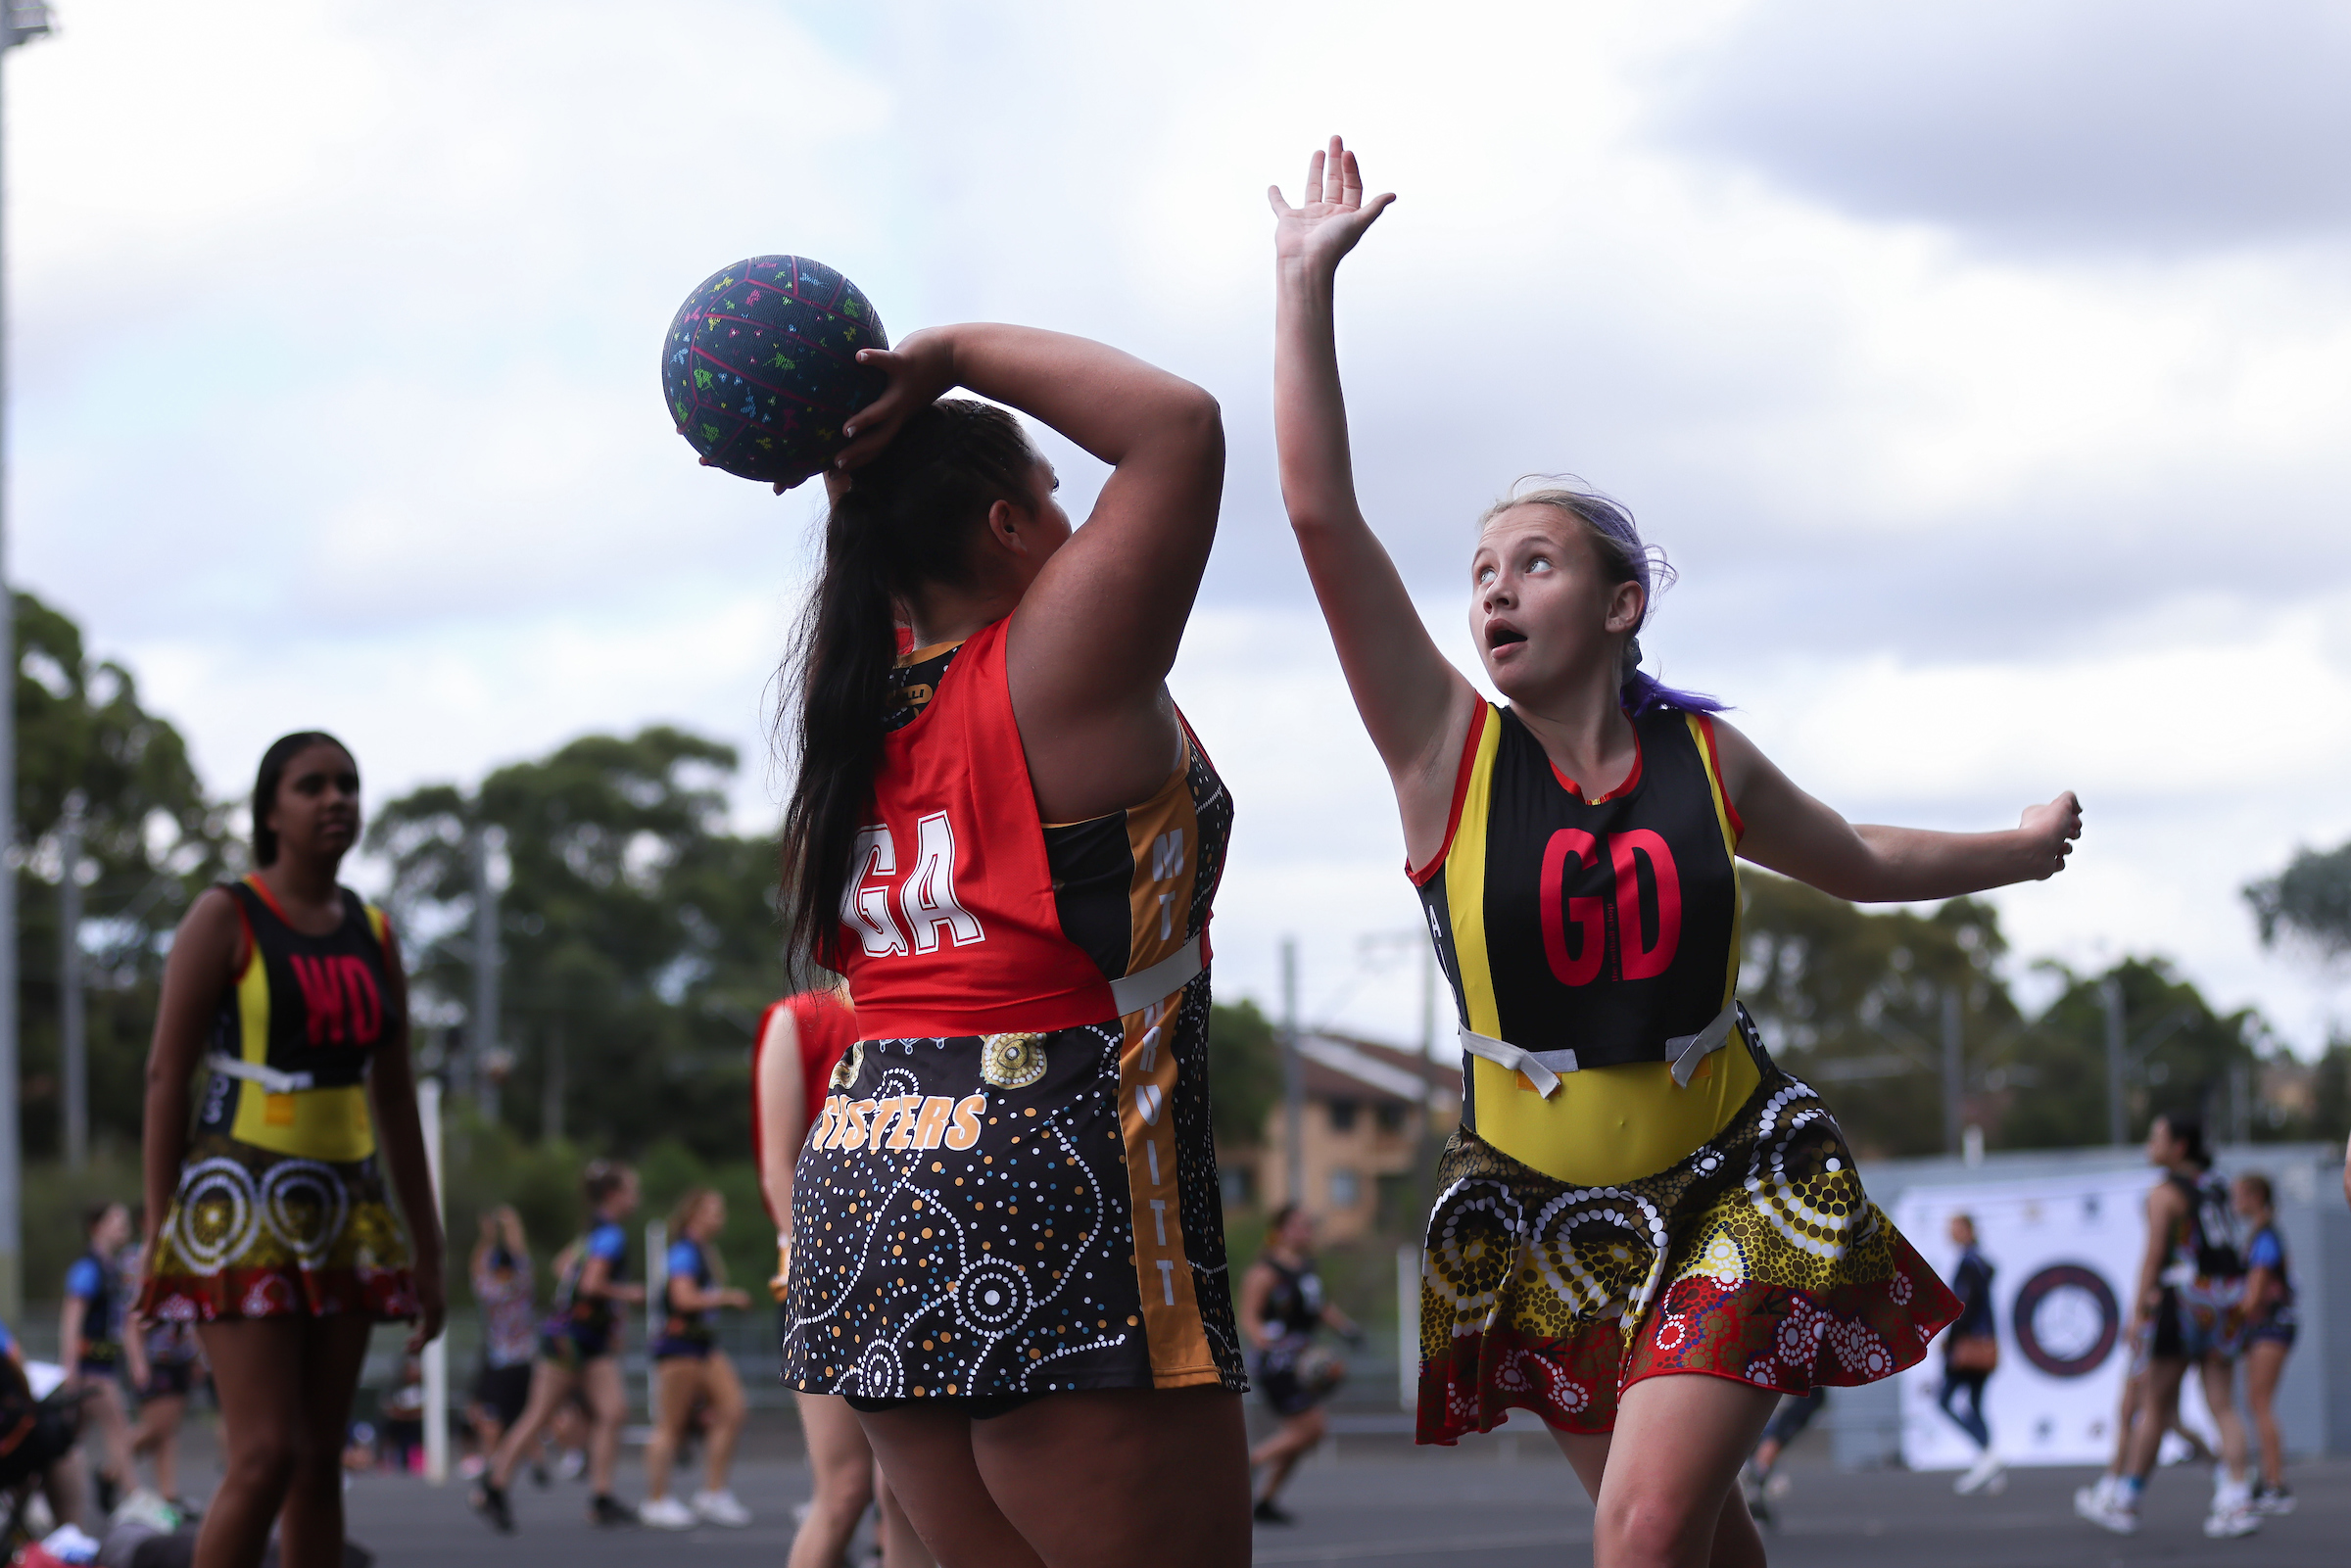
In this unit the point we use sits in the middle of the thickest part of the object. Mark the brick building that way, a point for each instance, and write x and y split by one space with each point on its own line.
1362 1129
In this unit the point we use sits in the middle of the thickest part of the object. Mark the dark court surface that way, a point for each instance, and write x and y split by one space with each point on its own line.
1493 1503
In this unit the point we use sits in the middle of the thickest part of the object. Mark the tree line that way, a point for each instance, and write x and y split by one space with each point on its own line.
639 941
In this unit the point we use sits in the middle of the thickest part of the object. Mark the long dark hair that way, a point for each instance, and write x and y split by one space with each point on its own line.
274 762
906 520
1624 558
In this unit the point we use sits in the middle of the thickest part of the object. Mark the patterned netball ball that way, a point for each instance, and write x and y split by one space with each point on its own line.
761 367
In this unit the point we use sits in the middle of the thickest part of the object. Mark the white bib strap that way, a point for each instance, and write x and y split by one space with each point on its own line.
1160 981
1543 1068
260 1073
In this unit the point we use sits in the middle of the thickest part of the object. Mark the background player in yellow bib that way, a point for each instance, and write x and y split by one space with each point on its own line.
1637 1190
272 1233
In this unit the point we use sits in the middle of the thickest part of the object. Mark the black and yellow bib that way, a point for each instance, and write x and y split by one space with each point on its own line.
1605 926
306 1006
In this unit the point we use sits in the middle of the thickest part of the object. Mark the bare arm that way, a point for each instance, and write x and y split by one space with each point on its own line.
1256 1285
1415 705
596 1279
1097 630
68 1334
783 1113
203 963
687 1295
2165 1210
2260 1285
392 1088
1791 833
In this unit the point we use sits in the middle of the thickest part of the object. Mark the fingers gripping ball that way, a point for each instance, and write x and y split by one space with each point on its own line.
761 367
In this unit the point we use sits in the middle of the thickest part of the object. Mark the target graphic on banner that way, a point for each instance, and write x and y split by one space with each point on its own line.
2066 1320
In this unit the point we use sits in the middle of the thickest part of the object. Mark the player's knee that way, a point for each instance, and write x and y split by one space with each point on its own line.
1641 1527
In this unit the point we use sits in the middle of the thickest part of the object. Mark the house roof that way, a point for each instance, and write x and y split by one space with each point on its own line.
1340 1066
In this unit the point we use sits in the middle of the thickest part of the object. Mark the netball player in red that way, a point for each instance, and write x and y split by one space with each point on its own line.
1647 1232
1008 1253
802 1041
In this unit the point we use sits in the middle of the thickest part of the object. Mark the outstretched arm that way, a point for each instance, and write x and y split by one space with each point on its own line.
1791 833
1415 704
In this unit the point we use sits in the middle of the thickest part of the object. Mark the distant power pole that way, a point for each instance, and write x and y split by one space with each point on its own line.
20 22
1293 1079
2118 1121
1954 1069
481 1024
72 1032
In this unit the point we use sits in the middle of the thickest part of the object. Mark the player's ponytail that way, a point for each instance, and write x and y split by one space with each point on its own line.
1624 558
906 520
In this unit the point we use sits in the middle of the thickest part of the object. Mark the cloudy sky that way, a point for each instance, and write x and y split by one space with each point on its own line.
1984 366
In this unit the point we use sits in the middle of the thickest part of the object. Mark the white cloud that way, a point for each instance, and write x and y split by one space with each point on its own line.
335 349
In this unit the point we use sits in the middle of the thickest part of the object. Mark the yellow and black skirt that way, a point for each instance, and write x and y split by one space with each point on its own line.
1757 1257
251 1233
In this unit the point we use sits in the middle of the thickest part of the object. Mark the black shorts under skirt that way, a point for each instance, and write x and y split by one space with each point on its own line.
1041 1215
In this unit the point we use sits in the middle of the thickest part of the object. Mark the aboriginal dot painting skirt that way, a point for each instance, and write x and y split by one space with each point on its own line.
1013 1214
251 1233
1756 1258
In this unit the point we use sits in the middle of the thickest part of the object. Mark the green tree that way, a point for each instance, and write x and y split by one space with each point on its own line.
2310 901
1244 1073
640 937
1853 1002
150 842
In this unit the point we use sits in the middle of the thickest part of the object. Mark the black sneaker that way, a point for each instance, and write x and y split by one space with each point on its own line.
2272 1500
1265 1514
539 1476
110 1492
604 1511
491 1503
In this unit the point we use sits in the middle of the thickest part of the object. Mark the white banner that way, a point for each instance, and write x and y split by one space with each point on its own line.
2064 1253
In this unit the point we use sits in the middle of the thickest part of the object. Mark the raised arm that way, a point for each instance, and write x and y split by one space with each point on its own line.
1415 704
1098 629
1791 833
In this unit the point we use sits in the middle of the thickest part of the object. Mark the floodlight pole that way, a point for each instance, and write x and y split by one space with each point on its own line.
19 20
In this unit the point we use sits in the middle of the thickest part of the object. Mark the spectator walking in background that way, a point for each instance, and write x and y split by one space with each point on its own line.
803 1041
691 1369
92 1345
1282 1304
500 1273
579 1348
1761 1483
2268 1332
41 1451
175 1366
1971 1353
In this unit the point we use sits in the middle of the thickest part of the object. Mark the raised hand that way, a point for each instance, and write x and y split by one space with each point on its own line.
1334 215
2053 827
920 371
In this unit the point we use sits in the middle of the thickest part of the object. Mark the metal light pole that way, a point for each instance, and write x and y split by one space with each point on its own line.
1293 1080
20 22
481 1028
1954 1069
72 1034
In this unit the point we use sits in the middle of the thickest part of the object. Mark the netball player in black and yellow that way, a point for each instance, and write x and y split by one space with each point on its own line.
272 1233
1637 1191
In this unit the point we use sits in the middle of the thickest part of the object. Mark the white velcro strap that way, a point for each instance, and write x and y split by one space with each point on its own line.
1686 1051
1158 983
1683 1053
1542 1067
260 1073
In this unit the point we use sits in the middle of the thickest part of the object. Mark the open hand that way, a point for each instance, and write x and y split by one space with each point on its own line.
2053 830
1336 214
920 371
